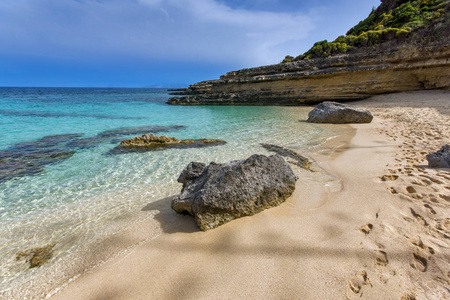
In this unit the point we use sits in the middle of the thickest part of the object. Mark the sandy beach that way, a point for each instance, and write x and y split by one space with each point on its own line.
380 229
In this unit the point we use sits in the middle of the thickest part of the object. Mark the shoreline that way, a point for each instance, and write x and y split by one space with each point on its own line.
347 238
359 242
213 252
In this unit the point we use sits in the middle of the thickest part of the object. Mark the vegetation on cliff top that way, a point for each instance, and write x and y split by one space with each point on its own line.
392 20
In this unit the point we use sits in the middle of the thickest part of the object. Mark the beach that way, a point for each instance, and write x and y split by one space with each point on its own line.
379 228
65 192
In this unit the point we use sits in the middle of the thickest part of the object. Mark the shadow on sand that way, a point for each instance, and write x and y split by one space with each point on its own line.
170 221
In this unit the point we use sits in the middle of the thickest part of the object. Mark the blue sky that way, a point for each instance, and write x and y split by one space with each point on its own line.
149 43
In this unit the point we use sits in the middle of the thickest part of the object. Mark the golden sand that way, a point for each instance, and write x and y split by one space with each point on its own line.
380 228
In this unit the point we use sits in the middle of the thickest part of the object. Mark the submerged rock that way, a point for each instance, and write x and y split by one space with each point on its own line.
139 130
297 159
36 257
30 158
149 142
47 142
338 113
112 135
218 193
441 158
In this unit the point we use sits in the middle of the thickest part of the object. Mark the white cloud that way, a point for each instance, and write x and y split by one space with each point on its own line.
178 30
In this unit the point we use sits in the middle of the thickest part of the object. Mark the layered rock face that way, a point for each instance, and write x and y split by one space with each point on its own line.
342 77
218 193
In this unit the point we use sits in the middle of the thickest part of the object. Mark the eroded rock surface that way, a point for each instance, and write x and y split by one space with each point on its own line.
378 70
338 113
218 193
149 142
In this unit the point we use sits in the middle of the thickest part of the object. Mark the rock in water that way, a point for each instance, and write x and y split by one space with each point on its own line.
294 157
440 159
152 142
338 113
36 257
219 193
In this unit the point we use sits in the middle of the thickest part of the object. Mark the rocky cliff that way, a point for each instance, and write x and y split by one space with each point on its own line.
340 77
380 59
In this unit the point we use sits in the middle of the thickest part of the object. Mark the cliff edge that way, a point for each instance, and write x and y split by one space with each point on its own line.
373 58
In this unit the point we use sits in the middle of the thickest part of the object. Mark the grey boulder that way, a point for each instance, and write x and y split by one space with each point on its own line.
441 158
218 193
338 113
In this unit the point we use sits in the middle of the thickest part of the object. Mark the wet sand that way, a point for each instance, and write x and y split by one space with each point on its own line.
379 229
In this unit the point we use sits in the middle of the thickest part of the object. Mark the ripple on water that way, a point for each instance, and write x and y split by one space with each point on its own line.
88 198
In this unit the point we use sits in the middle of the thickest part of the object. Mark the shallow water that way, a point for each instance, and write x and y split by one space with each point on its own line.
73 200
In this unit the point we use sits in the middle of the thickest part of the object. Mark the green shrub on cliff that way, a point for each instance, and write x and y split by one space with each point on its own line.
407 14
288 58
392 20
324 49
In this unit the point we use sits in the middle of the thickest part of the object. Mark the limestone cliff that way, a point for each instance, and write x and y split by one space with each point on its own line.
341 77
379 59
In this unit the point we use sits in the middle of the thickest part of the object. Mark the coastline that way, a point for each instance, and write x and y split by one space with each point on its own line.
351 245
316 244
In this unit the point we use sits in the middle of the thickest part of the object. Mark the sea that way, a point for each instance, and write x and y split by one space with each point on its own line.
62 187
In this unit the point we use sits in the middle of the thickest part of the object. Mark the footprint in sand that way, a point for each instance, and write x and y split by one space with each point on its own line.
437 181
419 218
445 197
417 196
430 208
426 181
417 241
420 260
444 176
393 190
381 258
433 198
366 228
358 281
408 296
389 177
419 182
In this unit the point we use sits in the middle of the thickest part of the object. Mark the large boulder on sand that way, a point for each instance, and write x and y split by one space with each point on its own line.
338 113
440 159
218 193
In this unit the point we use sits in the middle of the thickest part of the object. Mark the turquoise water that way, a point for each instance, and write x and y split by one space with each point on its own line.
60 184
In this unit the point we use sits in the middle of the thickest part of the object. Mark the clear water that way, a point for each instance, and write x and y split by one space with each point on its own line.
77 200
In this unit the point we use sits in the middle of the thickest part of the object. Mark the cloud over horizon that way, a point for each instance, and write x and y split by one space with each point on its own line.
197 30
95 33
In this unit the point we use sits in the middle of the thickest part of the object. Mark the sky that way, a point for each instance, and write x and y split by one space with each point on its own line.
159 43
